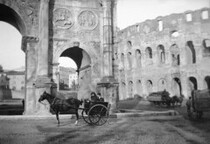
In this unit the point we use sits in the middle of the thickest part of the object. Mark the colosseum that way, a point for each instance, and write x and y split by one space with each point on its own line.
170 52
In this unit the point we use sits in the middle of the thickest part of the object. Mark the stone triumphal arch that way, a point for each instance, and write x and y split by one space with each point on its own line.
82 30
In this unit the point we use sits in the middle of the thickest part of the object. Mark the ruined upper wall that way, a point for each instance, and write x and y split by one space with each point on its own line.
188 22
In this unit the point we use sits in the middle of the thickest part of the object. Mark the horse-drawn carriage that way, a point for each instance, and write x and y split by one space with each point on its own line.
93 113
161 97
198 103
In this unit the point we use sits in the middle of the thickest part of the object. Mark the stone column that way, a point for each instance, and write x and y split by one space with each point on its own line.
30 45
43 81
108 82
107 38
44 38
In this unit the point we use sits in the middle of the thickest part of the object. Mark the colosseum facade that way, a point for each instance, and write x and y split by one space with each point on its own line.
170 52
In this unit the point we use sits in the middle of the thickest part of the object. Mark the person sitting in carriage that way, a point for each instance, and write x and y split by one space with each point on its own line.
100 97
94 97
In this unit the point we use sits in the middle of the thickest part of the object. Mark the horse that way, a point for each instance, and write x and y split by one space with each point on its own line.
62 105
175 100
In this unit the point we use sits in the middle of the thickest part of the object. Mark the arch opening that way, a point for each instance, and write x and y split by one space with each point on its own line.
82 72
193 83
12 73
177 87
10 16
193 53
207 80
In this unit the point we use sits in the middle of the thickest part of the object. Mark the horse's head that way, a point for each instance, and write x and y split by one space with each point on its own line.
43 96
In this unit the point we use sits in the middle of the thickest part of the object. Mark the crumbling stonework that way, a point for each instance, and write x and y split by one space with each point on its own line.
170 52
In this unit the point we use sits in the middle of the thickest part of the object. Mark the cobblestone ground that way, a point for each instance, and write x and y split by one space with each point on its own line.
136 130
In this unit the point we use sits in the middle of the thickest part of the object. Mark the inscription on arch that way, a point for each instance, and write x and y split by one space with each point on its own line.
87 20
62 18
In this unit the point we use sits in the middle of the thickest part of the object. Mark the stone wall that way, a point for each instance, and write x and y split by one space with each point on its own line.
170 52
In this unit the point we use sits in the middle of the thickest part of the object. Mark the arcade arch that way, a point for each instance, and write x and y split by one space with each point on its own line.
207 81
130 88
162 84
15 24
161 54
176 86
149 86
10 16
191 53
83 63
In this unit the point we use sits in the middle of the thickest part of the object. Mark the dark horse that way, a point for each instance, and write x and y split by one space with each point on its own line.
60 105
175 100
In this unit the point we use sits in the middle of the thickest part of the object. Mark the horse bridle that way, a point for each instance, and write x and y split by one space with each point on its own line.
50 104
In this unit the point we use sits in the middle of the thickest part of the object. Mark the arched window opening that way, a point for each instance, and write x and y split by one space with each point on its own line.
139 87
207 80
138 58
177 88
193 83
149 85
130 88
162 85
206 45
129 44
129 60
191 47
178 59
161 54
175 59
123 60
149 52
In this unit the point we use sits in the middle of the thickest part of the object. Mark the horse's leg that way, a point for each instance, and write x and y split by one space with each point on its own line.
57 116
77 117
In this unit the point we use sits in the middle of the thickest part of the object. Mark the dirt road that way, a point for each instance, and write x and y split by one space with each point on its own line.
138 130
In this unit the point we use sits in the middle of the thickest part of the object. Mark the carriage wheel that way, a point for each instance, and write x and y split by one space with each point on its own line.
98 114
85 117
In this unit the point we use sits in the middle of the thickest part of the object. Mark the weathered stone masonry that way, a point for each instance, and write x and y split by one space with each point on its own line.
171 52
82 30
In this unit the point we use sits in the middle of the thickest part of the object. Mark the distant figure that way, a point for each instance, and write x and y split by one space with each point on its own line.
100 97
94 97
188 104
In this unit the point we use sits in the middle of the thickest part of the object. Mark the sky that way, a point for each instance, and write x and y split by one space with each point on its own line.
129 12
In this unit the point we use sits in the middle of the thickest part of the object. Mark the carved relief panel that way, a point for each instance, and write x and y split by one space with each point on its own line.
87 20
73 22
62 18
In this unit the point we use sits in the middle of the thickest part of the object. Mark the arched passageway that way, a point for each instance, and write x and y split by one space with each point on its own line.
12 58
191 54
207 80
83 62
10 16
193 83
176 87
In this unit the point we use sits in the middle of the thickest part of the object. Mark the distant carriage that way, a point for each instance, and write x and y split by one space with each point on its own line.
160 98
198 103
